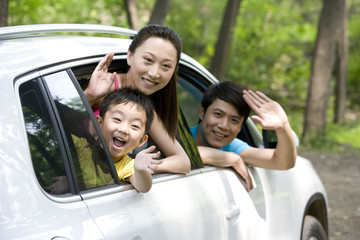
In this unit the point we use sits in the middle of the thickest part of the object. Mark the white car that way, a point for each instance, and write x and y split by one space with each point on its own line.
42 106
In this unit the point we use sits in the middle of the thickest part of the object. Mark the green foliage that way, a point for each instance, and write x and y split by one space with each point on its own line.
354 56
198 23
346 134
337 138
66 11
271 50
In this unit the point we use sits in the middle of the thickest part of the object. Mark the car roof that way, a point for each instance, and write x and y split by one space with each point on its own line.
22 49
29 48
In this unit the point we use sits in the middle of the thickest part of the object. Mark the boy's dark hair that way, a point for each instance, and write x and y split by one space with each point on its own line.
129 95
229 92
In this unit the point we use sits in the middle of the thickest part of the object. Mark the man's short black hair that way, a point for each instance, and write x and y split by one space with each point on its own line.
229 92
129 95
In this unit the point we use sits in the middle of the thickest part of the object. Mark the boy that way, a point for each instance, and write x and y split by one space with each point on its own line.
224 108
125 117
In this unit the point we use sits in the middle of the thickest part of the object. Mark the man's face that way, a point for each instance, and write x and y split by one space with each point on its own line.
219 125
123 129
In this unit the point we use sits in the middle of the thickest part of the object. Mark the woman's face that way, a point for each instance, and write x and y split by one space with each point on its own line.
151 65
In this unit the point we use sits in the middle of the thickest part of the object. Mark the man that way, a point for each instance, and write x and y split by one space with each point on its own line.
224 109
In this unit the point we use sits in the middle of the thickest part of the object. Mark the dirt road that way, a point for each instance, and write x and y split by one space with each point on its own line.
340 174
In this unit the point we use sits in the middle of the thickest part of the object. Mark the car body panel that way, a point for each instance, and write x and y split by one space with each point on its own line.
196 208
26 211
207 203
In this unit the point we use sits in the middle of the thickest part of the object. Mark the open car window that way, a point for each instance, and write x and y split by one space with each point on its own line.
64 142
191 86
83 74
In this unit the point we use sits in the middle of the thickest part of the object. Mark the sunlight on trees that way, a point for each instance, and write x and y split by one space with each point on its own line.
272 46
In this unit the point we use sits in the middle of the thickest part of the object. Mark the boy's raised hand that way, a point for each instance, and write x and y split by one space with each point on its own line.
100 81
268 113
146 160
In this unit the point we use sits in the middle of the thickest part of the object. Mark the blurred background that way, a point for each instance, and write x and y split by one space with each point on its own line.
302 53
305 54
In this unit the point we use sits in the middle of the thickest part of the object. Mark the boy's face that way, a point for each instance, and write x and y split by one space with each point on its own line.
123 128
219 125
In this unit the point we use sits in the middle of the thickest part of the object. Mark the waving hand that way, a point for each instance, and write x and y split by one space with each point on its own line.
101 80
268 113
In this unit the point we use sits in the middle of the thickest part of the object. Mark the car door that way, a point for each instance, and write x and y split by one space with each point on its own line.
177 206
245 212
35 210
201 205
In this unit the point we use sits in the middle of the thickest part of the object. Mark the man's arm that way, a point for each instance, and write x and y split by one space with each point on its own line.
270 115
219 158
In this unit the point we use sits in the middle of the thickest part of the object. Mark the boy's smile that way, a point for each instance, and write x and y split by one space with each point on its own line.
123 128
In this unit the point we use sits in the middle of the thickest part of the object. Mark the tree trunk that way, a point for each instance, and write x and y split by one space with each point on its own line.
223 45
4 12
341 66
159 12
132 14
322 69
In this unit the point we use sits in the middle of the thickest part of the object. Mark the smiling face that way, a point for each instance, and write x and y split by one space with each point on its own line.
152 65
123 128
219 125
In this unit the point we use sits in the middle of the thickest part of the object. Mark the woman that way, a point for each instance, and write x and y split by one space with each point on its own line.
153 58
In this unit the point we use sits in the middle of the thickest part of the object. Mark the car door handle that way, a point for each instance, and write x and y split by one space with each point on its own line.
232 213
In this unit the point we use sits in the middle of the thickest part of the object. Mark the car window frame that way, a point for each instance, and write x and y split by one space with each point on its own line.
66 133
59 131
191 74
119 65
91 62
18 81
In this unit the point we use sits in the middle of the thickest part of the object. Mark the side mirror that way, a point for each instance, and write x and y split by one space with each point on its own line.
270 138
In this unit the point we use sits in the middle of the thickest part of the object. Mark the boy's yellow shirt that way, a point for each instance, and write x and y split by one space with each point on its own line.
125 168
91 168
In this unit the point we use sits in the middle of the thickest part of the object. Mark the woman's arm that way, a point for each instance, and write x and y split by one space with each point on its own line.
176 160
219 158
100 82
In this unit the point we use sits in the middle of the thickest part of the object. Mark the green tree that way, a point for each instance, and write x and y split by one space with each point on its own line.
322 68
132 16
342 56
198 23
4 12
160 11
223 44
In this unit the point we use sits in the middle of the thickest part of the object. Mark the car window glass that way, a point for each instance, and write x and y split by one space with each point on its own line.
90 163
190 92
187 142
43 143
188 101
188 116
